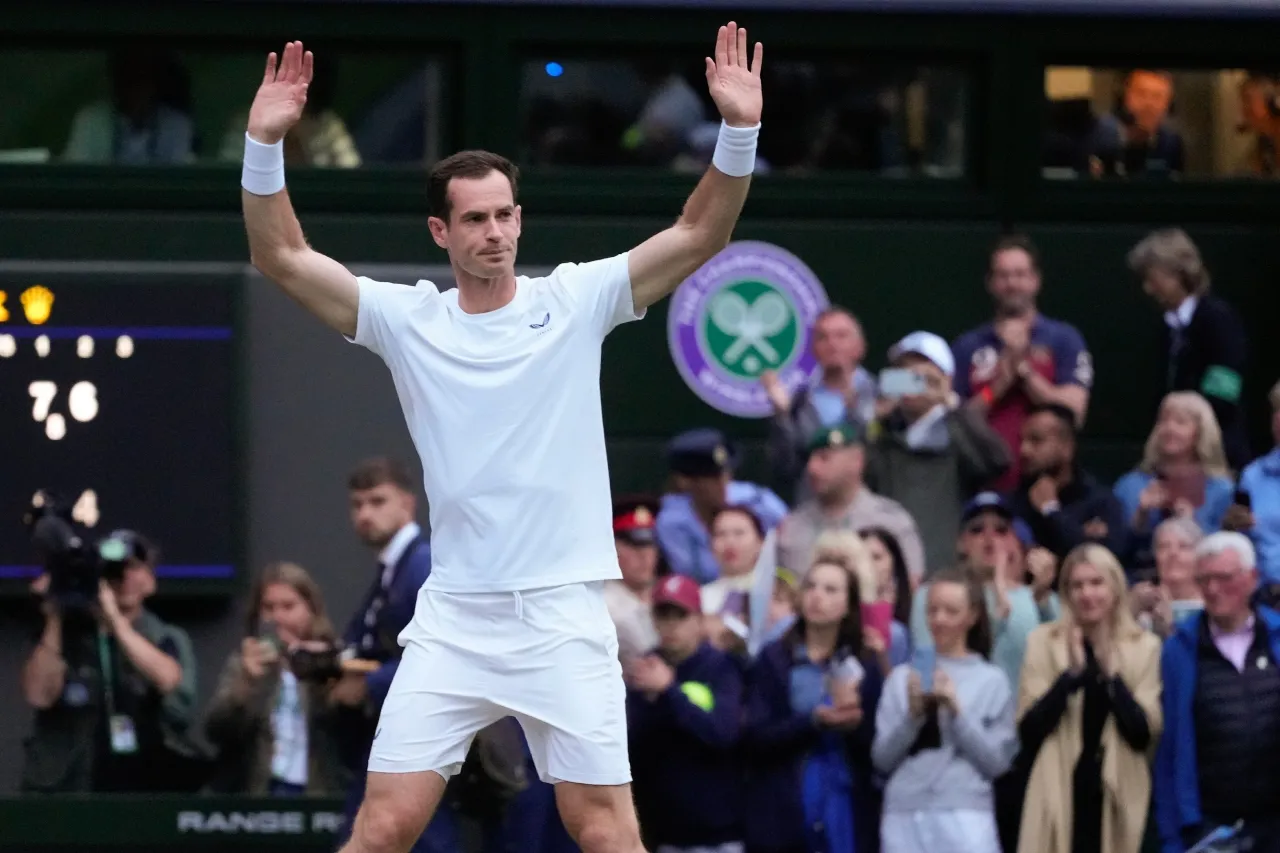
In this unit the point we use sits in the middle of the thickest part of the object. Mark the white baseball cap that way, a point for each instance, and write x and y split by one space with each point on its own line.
928 345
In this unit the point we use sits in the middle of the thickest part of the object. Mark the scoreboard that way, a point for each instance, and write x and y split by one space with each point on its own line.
118 393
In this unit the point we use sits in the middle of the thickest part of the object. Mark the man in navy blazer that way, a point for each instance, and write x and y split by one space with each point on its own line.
383 508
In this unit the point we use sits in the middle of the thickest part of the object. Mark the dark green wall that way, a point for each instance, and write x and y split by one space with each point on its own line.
902 253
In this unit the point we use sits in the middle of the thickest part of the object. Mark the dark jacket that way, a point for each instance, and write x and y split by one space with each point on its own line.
1212 360
790 432
1176 777
775 743
239 724
684 760
1081 501
933 483
68 748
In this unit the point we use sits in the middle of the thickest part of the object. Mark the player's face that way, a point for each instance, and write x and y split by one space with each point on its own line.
483 227
377 514
1013 282
288 610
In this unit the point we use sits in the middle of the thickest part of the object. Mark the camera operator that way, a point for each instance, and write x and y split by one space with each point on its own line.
113 686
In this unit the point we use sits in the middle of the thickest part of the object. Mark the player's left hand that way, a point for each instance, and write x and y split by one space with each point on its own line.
735 85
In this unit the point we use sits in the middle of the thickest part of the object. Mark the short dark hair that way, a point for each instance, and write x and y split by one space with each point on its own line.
1063 415
379 471
1020 242
744 511
472 165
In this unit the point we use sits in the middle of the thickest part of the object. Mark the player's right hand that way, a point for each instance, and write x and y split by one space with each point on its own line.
282 95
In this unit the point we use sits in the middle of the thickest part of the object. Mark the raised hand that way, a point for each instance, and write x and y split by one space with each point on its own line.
735 86
282 95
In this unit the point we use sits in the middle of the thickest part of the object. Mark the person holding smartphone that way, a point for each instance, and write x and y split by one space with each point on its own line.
809 726
945 730
927 452
276 734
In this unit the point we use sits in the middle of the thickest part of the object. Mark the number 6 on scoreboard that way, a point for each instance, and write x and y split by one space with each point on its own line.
43 392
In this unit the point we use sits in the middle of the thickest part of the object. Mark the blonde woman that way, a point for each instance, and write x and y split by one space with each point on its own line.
276 734
1183 472
1089 711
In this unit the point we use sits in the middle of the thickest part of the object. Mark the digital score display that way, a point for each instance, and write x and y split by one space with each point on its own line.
119 395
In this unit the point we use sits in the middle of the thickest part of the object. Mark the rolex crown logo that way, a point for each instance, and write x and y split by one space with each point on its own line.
37 304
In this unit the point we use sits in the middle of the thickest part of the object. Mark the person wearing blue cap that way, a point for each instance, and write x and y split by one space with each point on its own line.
702 462
1001 549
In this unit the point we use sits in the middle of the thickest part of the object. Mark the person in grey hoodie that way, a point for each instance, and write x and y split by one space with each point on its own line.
942 748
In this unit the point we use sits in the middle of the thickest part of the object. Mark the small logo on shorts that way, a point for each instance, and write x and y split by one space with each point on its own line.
747 310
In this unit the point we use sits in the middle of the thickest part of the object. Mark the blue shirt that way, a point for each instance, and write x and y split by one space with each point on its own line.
685 541
1261 480
1218 493
830 405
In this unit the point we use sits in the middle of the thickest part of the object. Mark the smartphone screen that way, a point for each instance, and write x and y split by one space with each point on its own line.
900 382
924 660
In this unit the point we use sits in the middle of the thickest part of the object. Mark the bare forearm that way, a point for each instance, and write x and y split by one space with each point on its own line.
44 673
274 230
156 666
713 209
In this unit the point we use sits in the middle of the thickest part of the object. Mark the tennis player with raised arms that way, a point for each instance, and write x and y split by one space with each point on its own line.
499 380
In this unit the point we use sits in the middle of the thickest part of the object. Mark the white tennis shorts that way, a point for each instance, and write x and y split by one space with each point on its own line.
547 657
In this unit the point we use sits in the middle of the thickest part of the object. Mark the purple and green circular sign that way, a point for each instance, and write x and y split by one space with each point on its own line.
748 310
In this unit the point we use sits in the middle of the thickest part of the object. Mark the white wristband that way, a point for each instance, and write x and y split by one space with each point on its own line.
263 172
735 153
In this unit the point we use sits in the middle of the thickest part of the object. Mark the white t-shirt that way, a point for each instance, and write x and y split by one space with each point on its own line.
504 409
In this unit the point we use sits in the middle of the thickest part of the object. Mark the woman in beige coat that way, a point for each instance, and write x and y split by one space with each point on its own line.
1089 712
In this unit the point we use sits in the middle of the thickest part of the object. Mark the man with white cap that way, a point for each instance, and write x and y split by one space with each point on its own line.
925 450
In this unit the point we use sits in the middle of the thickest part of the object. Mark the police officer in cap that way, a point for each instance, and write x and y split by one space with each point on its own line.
702 463
628 599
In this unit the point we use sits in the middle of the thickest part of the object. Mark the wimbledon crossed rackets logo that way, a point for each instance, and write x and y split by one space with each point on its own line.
746 311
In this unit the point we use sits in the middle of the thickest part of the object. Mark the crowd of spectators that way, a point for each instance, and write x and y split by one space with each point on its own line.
934 630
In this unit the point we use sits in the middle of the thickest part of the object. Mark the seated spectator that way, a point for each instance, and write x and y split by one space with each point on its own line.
1183 472
809 726
943 748
702 462
628 599
1000 550
1090 782
736 540
275 733
1173 597
1205 346
144 122
1216 764
1021 358
684 711
1064 504
841 501
1260 518
926 451
846 391
1138 139
113 686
